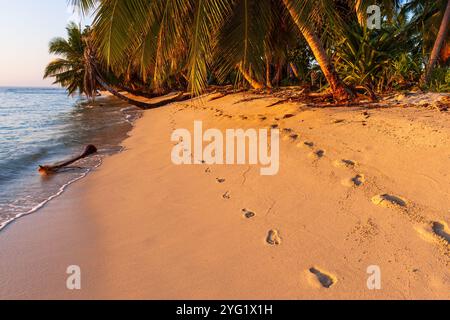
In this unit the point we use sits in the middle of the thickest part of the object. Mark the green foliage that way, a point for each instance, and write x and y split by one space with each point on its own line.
194 38
302 57
76 67
440 80
69 69
157 43
380 60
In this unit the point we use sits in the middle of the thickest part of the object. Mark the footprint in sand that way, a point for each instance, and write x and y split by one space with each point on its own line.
326 280
287 116
248 214
262 117
273 238
344 163
290 137
356 181
286 133
317 154
435 231
305 144
220 180
226 196
442 230
389 201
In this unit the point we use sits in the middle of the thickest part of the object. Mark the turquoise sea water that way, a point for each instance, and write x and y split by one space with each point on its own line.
41 126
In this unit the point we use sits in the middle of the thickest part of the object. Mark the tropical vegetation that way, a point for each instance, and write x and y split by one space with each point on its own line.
155 47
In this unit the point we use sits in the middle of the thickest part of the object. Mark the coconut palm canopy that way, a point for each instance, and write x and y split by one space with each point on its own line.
191 43
69 70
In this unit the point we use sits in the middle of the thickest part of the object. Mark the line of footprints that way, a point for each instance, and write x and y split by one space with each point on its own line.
273 238
440 230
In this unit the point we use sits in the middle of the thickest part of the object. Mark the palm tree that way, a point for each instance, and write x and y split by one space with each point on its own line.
170 37
438 45
69 71
297 11
433 30
77 68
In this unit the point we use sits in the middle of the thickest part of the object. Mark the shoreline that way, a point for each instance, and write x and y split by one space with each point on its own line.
42 205
88 165
141 227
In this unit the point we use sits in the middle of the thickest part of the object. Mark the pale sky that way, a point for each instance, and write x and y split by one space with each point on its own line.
26 27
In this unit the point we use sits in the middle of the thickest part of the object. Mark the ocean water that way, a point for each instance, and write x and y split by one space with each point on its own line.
43 126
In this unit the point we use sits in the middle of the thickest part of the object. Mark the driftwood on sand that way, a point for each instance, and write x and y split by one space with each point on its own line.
48 169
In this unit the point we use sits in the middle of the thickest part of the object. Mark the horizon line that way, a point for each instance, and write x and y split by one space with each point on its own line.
32 86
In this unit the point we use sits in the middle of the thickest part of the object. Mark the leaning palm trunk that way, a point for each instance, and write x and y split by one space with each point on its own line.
442 35
255 84
135 92
93 76
360 13
294 70
340 90
139 104
117 94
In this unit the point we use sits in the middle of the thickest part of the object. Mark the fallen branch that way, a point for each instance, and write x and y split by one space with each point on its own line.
218 96
48 169
279 102
344 104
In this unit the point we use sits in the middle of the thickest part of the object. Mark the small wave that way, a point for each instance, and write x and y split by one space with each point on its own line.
46 201
33 90
131 114
13 165
35 137
128 109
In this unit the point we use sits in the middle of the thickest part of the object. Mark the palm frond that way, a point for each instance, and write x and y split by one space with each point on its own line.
208 17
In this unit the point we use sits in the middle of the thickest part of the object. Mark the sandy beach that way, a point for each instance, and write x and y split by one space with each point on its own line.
357 187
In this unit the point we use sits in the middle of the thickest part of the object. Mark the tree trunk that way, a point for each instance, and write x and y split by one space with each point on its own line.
140 104
445 52
340 90
268 62
255 84
137 92
359 13
442 35
117 94
278 72
294 70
